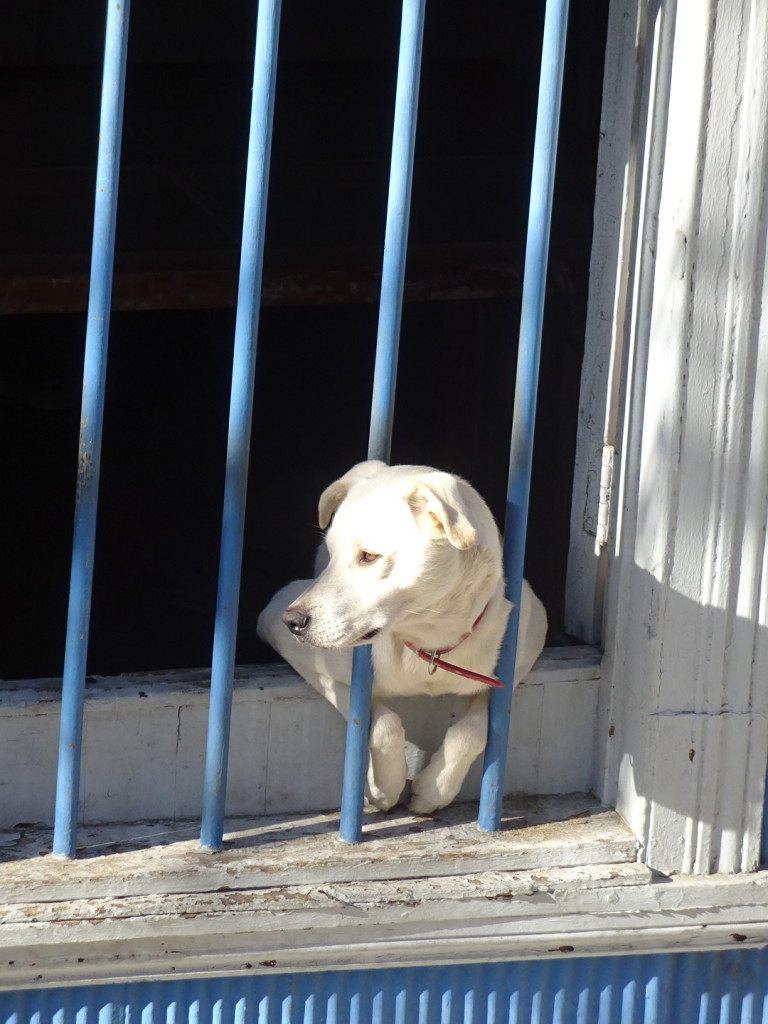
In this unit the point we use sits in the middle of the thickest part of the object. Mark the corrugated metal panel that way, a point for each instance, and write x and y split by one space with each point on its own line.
692 988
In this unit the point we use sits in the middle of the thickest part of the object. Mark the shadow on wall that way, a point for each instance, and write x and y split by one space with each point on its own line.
691 658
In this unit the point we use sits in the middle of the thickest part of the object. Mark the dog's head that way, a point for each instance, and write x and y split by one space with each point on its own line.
401 540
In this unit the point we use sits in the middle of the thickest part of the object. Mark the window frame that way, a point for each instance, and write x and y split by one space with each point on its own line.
673 374
681 744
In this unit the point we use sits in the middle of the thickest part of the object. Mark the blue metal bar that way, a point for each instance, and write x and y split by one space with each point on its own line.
240 414
385 376
396 231
356 750
524 416
91 420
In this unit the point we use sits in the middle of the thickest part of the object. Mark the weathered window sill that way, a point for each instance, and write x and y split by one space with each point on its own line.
561 879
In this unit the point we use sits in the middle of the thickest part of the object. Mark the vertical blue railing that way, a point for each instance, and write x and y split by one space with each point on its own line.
241 407
524 416
91 420
385 377
240 415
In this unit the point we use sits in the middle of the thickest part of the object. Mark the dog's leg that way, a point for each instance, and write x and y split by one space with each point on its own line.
441 780
387 769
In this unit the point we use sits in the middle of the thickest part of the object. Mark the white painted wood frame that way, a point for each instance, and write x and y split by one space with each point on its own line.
676 386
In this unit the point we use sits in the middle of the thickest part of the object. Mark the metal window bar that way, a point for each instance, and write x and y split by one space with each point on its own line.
385 378
529 351
524 416
242 403
91 420
241 408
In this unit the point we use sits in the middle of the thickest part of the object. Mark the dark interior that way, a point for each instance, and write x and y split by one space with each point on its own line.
186 125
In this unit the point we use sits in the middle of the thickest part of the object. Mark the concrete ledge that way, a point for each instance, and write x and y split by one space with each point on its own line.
144 741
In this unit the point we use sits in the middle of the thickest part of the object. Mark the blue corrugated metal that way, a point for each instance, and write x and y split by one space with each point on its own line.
685 988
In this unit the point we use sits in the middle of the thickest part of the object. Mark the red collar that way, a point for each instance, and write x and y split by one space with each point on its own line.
435 660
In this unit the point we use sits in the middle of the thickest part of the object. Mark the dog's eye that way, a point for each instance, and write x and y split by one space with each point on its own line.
368 557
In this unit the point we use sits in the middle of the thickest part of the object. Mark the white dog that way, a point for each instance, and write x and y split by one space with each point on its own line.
413 567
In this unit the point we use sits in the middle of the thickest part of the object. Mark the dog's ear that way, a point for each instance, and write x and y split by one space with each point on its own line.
440 511
336 492
330 500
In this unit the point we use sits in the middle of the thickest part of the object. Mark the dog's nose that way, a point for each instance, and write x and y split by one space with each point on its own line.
296 618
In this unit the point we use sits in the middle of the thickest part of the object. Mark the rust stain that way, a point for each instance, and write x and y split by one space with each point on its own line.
85 468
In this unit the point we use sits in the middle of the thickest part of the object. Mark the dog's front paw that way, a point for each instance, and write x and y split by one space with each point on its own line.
376 807
426 795
419 805
435 787
377 800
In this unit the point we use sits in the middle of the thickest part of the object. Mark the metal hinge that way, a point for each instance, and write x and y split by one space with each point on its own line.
604 507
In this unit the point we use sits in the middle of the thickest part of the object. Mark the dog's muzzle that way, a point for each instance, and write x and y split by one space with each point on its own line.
298 619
